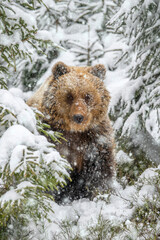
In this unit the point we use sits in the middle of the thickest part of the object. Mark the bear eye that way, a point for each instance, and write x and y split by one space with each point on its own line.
69 98
88 98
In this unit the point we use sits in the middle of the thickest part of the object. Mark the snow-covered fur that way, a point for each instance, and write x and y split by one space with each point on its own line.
75 101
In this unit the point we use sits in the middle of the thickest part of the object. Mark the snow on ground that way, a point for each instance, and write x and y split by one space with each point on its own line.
84 214
116 209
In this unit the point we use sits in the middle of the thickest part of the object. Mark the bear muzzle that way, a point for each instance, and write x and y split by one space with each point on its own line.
78 118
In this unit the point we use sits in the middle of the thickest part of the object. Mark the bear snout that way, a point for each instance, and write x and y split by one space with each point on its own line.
78 118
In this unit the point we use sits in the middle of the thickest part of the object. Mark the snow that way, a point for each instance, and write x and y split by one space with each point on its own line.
149 174
16 139
146 192
148 2
122 157
125 9
17 106
21 136
15 135
10 195
16 157
17 13
86 213
26 16
119 205
116 82
24 184
65 57
152 125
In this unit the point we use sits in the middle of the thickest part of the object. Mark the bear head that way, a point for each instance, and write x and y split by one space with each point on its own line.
74 98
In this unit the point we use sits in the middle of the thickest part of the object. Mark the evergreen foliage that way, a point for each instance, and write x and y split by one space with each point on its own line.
144 223
89 19
21 42
30 167
139 25
33 48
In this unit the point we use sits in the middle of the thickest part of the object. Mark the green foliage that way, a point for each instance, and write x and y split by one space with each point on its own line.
128 173
103 229
24 186
142 224
20 41
7 118
9 27
2 83
146 216
29 183
45 129
90 19
14 227
28 171
139 29
67 231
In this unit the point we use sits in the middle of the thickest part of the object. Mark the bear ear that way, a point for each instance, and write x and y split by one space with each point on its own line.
59 69
98 70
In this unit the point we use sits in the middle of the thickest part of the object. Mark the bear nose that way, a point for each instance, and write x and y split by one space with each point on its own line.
78 118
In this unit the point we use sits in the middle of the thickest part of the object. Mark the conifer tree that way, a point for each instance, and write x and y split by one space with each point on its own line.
29 165
89 18
138 111
22 42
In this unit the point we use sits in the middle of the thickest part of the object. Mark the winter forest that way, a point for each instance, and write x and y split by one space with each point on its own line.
123 35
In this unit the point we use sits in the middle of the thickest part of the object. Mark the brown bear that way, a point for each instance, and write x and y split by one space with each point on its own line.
74 102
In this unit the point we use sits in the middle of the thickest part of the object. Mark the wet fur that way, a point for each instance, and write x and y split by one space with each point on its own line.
90 145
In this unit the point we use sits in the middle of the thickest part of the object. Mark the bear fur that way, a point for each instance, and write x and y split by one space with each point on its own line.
75 102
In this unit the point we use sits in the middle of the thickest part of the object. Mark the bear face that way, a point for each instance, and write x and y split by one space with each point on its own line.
74 98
